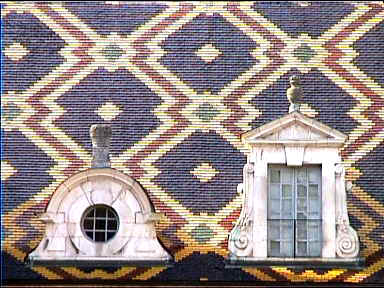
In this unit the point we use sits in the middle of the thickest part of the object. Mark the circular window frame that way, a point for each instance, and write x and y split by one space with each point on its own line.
94 227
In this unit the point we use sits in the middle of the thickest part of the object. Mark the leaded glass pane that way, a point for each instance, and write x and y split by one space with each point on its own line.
274 209
280 238
99 236
301 248
100 223
287 175
314 249
301 191
274 230
274 248
313 191
287 230
301 176
275 176
287 190
274 191
295 204
88 224
287 209
301 230
314 175
301 205
314 228
101 212
112 225
286 249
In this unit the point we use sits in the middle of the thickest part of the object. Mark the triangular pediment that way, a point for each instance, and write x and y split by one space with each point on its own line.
294 128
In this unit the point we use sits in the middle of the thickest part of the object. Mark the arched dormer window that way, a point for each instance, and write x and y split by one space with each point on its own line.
97 217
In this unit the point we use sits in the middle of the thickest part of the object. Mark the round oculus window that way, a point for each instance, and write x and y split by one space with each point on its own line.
100 223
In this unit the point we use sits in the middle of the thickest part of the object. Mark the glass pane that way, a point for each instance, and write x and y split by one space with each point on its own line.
287 209
274 209
101 212
301 248
110 235
112 225
99 236
314 209
313 191
301 215
314 230
274 230
274 248
287 175
282 246
274 192
100 224
314 249
111 214
287 230
275 176
91 214
301 230
286 249
314 174
287 191
88 224
302 205
301 191
89 234
302 176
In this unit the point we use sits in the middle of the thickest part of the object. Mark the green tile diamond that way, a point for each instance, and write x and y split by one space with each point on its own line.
112 52
10 111
206 112
304 53
202 233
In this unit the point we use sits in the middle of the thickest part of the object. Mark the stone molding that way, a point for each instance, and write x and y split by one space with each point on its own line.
64 239
293 140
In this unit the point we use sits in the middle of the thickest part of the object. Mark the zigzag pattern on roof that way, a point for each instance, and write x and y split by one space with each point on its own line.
179 82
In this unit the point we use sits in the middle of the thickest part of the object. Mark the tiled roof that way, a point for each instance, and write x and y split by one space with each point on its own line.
180 82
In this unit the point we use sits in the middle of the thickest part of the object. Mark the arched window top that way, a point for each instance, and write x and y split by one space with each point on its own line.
109 182
101 215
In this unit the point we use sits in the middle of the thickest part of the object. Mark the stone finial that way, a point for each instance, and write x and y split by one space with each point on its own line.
101 138
294 93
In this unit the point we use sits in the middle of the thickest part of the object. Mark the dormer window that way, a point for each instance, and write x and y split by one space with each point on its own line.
294 206
99 217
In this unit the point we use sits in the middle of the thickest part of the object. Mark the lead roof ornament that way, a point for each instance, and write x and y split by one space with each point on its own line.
294 93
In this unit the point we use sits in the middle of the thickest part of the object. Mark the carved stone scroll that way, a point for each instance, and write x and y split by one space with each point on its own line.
347 242
240 240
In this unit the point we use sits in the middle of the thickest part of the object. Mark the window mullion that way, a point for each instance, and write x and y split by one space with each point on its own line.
294 196
94 225
106 225
281 240
307 196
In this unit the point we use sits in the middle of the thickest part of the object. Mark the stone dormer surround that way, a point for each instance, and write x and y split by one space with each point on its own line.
293 140
66 241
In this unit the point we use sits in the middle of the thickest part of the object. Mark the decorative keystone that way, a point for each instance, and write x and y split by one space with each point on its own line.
101 138
154 217
294 93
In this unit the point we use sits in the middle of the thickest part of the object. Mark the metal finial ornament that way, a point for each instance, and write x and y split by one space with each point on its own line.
294 93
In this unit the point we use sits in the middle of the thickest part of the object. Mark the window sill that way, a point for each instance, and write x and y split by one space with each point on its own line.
99 262
350 263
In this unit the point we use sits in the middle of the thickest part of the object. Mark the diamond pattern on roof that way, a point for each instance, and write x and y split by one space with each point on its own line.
179 111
